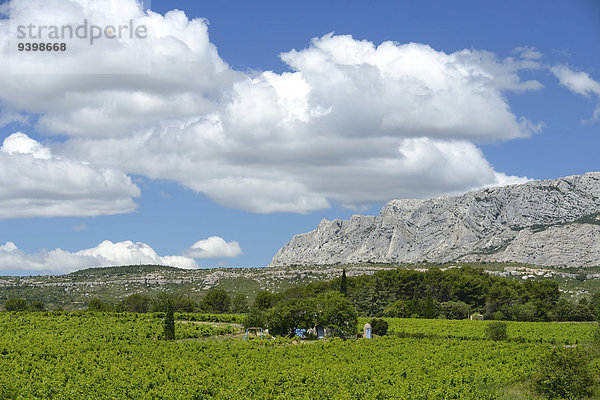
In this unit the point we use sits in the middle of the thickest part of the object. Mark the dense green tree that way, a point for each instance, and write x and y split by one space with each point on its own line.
98 305
256 318
331 309
16 305
397 309
455 309
344 284
544 290
543 310
184 304
179 303
363 301
160 301
415 305
137 303
169 323
467 287
525 312
216 301
335 312
502 294
430 307
239 304
372 300
264 300
406 293
286 317
570 311
595 305
296 292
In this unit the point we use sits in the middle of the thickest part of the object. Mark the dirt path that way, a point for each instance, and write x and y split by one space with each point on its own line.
214 324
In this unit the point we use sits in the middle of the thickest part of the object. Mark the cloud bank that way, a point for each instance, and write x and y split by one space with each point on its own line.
351 122
35 183
107 253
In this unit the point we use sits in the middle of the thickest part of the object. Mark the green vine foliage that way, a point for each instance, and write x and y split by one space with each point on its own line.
83 355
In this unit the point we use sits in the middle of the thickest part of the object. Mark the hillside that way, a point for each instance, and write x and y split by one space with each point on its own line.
550 223
73 291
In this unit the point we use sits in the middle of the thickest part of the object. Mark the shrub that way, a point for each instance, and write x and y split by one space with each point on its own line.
379 326
16 305
565 373
497 331
98 305
38 306
455 309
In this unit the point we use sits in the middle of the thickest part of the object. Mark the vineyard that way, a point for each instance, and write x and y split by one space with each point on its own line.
101 355
540 332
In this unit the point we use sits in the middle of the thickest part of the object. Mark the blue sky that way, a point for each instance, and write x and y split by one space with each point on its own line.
242 145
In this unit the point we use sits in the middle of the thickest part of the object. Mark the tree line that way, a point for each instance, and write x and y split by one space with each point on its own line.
215 301
457 293
22 305
454 293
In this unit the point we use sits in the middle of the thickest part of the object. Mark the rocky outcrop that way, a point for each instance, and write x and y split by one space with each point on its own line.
550 222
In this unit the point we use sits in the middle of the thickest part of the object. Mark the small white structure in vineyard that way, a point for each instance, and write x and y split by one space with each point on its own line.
368 331
476 316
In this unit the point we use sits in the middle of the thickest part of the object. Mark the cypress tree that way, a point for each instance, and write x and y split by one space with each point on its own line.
344 284
169 322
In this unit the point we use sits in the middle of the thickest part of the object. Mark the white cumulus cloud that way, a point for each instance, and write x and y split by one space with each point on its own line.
34 183
106 253
351 121
20 143
578 82
214 247
527 52
186 77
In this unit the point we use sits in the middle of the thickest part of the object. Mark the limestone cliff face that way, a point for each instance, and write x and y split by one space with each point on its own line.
551 222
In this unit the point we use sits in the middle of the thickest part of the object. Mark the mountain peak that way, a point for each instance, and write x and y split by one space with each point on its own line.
553 222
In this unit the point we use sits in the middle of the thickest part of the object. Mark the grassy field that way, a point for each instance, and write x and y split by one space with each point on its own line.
118 356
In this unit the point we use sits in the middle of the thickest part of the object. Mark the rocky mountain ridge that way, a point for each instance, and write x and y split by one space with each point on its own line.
548 222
